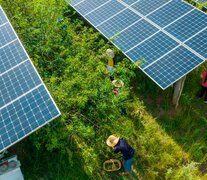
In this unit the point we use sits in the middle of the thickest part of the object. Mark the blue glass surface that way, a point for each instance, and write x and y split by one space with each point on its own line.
152 49
6 34
129 2
104 12
134 35
1 144
147 6
89 5
2 17
14 52
173 66
17 82
189 25
2 129
114 25
169 13
199 43
27 121
74 2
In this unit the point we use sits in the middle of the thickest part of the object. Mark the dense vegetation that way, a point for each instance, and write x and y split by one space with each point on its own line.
70 57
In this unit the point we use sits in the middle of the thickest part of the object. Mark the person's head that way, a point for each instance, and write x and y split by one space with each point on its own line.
118 83
112 140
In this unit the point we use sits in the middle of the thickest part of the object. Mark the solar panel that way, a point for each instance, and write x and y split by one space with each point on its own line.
169 13
190 24
130 2
146 7
153 31
153 48
117 23
25 103
199 43
134 35
89 5
173 65
104 12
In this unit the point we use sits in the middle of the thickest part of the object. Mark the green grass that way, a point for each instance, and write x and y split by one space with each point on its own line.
48 166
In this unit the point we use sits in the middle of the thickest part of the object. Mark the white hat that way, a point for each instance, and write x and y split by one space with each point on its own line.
112 140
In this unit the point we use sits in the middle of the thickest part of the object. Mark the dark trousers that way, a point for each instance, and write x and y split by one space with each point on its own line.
202 92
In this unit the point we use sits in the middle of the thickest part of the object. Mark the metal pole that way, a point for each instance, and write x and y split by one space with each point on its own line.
178 88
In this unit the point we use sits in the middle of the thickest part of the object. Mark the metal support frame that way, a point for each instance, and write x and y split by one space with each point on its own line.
178 88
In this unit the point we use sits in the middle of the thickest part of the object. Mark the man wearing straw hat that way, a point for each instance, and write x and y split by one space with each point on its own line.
120 145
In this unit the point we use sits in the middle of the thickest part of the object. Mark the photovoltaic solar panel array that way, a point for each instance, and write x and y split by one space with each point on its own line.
25 103
167 38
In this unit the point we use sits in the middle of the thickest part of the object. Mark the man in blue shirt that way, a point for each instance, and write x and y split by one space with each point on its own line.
120 145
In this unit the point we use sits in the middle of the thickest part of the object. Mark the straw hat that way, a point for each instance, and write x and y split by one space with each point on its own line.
112 140
118 83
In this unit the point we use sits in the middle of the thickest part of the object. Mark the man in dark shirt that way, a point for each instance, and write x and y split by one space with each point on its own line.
120 145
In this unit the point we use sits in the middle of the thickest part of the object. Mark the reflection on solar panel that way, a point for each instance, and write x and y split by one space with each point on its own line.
25 103
167 36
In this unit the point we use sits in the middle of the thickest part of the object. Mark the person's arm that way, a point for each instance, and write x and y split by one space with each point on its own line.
116 149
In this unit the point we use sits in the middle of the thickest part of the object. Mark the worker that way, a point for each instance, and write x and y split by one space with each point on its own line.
203 86
118 84
110 65
110 55
121 145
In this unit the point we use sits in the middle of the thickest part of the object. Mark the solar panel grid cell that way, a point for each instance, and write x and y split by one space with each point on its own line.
152 49
74 2
134 35
119 22
31 111
169 13
6 34
189 25
89 5
145 7
104 12
14 52
17 82
130 2
199 43
173 66
2 18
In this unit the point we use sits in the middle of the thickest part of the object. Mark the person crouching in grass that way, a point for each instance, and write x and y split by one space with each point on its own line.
121 145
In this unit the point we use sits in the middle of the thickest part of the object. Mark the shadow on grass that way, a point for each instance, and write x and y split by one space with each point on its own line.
40 165
187 125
